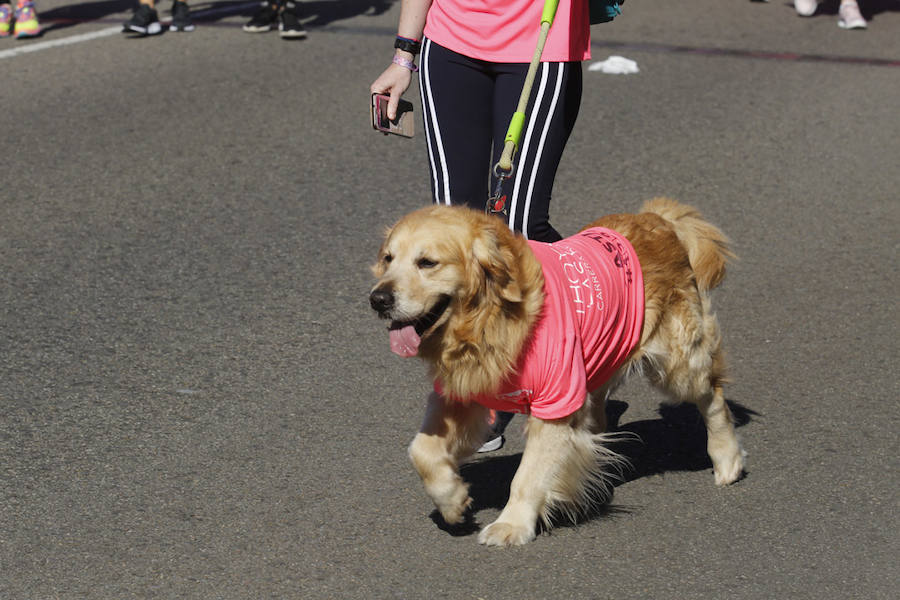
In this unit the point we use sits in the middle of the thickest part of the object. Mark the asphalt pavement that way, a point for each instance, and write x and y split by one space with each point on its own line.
197 402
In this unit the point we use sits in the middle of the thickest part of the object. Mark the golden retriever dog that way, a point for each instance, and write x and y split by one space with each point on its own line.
473 300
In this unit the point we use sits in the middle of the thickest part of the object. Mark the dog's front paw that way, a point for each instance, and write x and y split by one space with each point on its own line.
451 497
454 511
500 533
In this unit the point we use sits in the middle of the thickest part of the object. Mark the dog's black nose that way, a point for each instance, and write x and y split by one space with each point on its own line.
381 300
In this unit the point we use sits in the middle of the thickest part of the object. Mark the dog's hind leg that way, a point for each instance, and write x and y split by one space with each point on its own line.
692 369
560 472
598 422
595 408
722 443
450 432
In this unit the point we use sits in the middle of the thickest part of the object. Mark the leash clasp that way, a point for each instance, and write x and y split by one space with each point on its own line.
496 203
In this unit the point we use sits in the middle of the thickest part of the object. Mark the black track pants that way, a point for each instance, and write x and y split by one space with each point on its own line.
468 104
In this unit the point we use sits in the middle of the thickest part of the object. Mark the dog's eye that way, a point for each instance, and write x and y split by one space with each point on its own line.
426 263
388 258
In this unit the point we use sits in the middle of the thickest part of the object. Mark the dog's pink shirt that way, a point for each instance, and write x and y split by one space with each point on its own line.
591 321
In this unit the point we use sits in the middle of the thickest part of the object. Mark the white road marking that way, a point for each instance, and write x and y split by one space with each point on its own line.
74 39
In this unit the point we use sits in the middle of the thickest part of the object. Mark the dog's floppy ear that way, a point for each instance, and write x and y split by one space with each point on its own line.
495 268
378 267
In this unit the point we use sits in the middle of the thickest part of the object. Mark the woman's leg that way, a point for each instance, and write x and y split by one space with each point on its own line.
549 120
456 102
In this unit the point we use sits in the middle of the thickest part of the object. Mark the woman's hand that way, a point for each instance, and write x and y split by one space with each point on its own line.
395 81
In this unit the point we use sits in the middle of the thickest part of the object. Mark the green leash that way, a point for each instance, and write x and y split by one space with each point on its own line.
504 168
601 11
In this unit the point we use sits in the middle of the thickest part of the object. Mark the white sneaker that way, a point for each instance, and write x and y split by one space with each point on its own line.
491 445
806 8
850 17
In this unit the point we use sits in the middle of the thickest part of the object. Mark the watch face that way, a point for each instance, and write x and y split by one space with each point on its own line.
407 45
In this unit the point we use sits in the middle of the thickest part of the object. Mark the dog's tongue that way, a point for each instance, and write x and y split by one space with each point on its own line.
405 341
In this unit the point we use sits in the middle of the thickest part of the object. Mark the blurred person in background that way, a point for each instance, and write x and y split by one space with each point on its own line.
283 12
21 23
145 20
849 16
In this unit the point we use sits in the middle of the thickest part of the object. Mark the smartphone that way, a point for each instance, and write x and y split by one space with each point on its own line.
402 125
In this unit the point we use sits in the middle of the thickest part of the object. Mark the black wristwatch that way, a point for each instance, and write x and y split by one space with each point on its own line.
408 45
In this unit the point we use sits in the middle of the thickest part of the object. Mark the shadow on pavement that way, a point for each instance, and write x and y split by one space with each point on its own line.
674 442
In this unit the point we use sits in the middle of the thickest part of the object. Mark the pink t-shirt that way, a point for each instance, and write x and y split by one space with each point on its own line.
507 31
592 319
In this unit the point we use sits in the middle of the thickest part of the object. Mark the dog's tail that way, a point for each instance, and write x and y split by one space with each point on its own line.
708 248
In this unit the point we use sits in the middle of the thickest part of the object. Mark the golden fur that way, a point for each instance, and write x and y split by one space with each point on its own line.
477 290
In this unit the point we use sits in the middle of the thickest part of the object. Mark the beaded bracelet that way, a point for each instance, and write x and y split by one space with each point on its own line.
399 60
